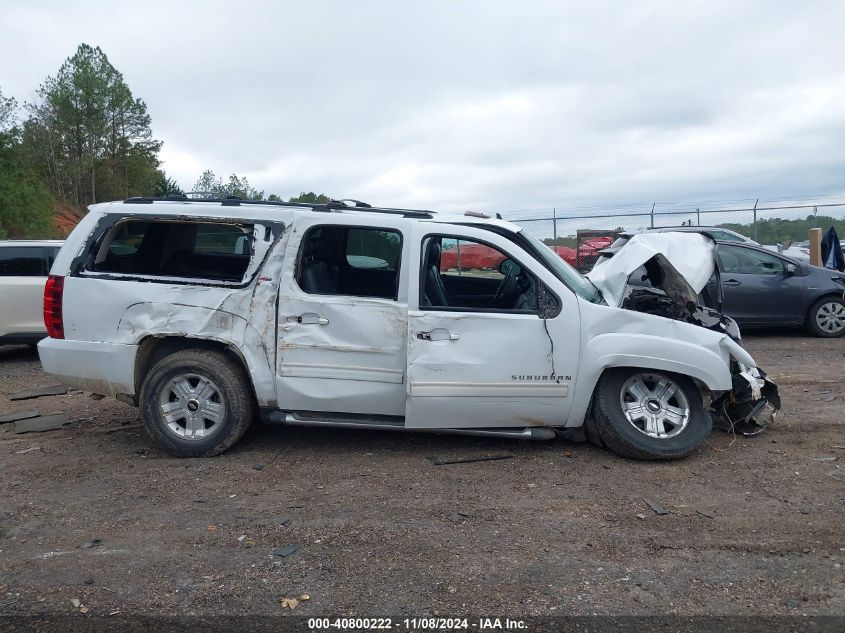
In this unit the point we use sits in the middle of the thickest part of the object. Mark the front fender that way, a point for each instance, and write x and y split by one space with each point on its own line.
605 351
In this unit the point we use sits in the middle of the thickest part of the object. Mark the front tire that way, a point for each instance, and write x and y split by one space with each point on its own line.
826 317
196 403
645 414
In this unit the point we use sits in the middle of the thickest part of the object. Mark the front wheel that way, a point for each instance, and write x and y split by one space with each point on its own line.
196 403
644 414
826 317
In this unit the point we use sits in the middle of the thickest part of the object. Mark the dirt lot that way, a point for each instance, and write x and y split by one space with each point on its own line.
96 512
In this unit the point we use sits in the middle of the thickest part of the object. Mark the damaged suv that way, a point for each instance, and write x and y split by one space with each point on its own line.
207 314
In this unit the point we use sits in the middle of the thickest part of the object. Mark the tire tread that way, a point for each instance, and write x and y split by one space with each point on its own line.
230 373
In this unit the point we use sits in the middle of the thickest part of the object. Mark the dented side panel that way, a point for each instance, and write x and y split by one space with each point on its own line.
612 337
497 369
107 317
338 353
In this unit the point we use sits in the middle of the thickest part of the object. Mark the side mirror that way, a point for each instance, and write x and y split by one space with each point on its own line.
790 269
548 305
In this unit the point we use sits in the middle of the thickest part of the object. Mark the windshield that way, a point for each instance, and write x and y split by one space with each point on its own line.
574 280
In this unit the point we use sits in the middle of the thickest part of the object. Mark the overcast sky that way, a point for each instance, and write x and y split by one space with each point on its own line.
456 105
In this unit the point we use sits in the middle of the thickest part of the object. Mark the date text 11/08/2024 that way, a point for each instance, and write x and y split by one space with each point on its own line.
417 624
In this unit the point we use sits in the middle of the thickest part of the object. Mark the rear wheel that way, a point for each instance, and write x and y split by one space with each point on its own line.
196 403
644 414
826 317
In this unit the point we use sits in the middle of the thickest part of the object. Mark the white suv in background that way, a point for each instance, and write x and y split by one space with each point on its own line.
24 265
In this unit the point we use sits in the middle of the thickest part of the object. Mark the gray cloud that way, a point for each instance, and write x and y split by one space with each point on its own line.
497 105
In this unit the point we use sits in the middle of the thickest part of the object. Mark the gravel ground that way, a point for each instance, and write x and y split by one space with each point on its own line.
96 512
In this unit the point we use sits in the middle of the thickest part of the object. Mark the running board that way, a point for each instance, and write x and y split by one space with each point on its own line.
389 423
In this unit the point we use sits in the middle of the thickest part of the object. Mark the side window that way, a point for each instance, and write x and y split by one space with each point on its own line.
369 248
468 275
725 236
222 239
353 261
191 250
743 261
52 253
22 261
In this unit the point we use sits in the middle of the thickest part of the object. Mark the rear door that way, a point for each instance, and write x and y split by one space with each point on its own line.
488 363
23 273
342 318
757 289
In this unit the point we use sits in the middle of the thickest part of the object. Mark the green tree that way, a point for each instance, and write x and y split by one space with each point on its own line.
311 198
235 186
8 112
26 206
88 135
166 186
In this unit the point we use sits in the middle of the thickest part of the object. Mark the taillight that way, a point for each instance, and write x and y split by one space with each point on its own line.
53 291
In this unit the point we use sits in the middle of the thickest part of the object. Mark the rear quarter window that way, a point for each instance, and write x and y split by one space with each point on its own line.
218 251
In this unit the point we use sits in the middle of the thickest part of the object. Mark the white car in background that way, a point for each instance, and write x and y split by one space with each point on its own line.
24 265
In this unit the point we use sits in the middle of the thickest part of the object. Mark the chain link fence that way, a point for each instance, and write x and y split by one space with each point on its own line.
769 224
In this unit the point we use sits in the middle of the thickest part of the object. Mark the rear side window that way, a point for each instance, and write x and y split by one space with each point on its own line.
725 236
370 248
22 261
191 250
360 262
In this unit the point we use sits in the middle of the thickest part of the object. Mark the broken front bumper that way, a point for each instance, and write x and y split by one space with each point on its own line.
753 401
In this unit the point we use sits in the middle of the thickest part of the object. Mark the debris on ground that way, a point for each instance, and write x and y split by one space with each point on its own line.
76 602
641 516
284 521
258 466
96 396
707 514
38 392
28 450
20 415
43 423
469 460
656 507
824 459
286 551
289 603
94 542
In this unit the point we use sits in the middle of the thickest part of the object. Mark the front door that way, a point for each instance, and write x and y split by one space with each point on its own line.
757 289
479 355
342 320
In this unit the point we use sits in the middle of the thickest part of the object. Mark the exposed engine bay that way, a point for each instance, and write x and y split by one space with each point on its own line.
665 274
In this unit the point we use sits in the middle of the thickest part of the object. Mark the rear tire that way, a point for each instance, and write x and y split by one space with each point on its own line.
826 317
646 414
196 403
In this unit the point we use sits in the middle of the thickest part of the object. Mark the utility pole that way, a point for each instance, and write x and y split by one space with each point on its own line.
554 226
652 214
755 218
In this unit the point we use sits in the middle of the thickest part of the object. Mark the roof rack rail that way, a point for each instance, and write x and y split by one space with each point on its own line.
330 206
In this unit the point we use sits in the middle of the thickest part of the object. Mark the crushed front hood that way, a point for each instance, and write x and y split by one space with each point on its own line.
680 264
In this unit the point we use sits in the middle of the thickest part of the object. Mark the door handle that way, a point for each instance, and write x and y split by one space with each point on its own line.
309 318
731 282
438 334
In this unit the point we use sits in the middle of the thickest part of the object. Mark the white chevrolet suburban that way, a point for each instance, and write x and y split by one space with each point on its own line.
208 313
24 265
